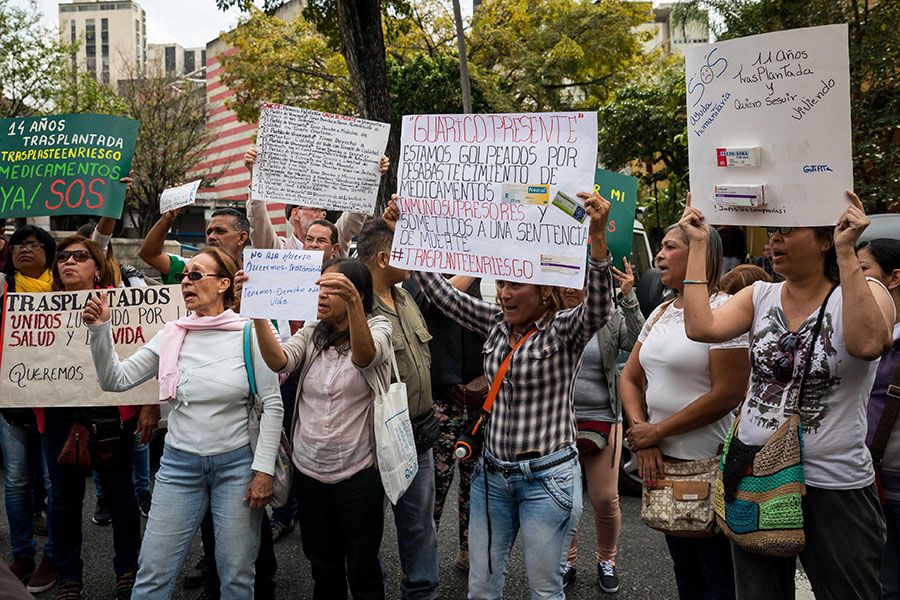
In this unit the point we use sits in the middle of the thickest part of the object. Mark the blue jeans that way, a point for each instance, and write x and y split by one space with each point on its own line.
141 474
20 448
67 499
416 534
890 570
548 502
186 485
703 568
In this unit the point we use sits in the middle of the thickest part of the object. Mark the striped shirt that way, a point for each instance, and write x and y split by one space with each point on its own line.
534 409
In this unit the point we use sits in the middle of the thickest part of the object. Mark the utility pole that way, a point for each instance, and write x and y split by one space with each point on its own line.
463 62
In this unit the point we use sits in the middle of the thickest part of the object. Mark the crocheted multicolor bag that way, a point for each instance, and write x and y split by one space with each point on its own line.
759 490
758 493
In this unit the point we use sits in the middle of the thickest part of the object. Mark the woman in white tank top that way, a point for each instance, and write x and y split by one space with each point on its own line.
843 524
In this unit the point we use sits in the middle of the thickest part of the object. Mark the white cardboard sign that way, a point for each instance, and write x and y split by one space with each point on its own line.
46 357
494 195
281 284
179 196
769 127
318 159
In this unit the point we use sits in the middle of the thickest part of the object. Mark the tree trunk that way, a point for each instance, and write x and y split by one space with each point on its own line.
463 61
362 45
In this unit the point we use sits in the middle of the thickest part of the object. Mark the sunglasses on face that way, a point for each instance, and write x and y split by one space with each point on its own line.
31 245
79 255
782 230
193 276
784 364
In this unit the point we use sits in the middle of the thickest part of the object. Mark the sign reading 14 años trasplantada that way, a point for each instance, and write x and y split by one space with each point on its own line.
65 165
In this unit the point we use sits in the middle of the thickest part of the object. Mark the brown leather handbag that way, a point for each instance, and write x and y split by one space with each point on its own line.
471 395
75 451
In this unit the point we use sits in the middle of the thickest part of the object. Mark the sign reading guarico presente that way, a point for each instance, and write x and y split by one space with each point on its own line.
65 165
46 356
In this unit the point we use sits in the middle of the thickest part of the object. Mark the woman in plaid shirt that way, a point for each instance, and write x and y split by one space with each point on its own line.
529 471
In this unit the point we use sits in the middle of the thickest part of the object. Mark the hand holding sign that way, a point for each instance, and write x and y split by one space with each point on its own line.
851 224
391 213
337 284
597 208
97 310
693 224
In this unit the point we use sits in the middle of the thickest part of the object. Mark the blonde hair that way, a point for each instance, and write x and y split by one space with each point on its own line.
740 277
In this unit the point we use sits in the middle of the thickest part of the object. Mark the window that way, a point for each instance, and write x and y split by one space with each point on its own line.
170 60
90 46
189 61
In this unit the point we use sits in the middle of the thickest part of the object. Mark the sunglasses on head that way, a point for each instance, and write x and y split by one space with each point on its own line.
193 276
78 255
782 230
784 364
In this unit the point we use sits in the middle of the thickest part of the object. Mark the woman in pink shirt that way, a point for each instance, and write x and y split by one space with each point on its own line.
342 358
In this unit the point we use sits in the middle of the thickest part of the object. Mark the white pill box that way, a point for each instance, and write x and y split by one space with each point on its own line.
750 195
738 157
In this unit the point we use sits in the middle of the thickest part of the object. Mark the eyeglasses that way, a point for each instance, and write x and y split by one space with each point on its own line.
784 364
32 245
79 255
782 230
193 276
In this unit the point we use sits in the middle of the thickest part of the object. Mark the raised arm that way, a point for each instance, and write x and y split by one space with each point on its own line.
262 232
271 350
579 325
117 375
701 323
152 250
868 309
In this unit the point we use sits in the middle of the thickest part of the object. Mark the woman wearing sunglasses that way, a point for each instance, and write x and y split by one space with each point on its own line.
32 252
843 524
207 461
80 265
678 396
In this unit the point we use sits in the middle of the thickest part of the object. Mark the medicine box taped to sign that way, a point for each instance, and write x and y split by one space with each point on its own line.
495 195
318 159
281 284
46 357
65 165
769 138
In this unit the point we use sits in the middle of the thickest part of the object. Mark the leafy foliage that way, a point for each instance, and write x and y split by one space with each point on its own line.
33 61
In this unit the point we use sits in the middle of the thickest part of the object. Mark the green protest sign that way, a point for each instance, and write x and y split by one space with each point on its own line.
621 191
65 165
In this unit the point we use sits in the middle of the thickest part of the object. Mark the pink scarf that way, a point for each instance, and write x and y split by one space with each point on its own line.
173 338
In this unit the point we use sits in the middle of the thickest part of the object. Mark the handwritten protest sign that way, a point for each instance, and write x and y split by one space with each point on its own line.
769 127
318 159
64 165
46 359
177 197
495 195
281 284
621 191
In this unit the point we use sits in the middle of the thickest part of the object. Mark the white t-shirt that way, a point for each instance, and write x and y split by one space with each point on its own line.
837 392
677 371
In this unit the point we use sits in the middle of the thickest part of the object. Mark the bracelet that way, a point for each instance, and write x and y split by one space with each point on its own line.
695 281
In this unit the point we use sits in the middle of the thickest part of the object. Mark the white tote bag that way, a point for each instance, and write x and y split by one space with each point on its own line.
395 447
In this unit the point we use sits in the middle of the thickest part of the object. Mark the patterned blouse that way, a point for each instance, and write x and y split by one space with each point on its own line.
534 409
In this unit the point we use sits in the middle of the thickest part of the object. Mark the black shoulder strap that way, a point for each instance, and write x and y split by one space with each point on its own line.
812 346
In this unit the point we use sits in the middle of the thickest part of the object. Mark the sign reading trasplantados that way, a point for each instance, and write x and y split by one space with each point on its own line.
46 357
65 165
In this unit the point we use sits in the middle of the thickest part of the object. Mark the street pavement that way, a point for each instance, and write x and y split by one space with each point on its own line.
645 568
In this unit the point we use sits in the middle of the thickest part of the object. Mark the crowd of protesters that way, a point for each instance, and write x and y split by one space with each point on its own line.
560 412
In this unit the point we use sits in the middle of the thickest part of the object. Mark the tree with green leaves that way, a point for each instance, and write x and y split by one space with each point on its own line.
33 61
645 123
874 76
